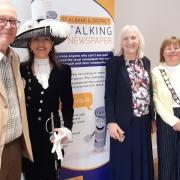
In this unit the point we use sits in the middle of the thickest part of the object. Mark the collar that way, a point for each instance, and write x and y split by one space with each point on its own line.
1 56
40 62
170 69
9 55
136 61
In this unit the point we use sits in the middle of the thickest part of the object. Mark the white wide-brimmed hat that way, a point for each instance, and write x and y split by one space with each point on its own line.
57 31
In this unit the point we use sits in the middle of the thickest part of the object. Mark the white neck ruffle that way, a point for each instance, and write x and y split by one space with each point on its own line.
42 71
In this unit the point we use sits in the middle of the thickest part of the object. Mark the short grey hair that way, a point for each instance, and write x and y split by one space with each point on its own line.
127 28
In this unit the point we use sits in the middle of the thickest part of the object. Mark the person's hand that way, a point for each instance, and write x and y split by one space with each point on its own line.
116 132
61 135
153 126
176 127
64 140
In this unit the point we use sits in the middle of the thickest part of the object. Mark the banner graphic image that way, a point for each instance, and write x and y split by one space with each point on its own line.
86 50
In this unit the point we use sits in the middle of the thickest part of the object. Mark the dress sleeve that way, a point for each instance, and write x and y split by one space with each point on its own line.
110 90
67 99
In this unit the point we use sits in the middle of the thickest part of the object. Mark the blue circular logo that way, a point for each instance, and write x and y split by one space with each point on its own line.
51 15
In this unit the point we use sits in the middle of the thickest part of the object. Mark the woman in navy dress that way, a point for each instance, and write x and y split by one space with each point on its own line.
129 109
47 87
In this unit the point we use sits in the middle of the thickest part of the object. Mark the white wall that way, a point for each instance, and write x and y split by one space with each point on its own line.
23 9
24 13
157 19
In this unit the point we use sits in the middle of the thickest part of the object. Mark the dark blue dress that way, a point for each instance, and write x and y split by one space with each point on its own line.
131 159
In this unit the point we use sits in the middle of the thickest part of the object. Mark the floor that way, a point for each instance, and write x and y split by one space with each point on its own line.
155 170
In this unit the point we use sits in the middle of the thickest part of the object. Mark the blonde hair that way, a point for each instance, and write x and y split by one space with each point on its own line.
140 37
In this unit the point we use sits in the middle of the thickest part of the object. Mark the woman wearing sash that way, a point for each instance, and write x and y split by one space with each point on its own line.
166 82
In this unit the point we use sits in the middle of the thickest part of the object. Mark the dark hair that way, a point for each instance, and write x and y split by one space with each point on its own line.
52 53
172 40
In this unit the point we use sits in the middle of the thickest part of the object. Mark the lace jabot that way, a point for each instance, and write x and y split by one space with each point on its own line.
42 71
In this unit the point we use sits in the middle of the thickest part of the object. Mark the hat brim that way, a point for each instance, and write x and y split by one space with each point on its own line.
22 40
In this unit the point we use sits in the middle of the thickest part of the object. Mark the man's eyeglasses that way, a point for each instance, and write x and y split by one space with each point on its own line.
12 22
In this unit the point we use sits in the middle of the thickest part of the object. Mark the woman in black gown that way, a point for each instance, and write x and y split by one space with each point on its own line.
47 87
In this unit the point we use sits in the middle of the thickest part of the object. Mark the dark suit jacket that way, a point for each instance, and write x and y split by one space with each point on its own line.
118 93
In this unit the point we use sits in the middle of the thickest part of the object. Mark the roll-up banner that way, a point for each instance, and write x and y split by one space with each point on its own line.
86 50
